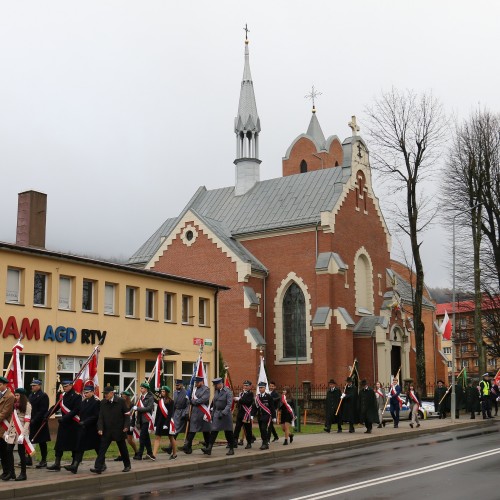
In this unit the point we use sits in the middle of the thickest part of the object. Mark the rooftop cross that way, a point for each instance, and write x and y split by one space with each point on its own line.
246 30
312 96
354 126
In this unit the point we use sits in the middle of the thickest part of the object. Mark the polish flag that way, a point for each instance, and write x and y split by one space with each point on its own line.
158 370
89 375
14 374
227 383
445 328
496 381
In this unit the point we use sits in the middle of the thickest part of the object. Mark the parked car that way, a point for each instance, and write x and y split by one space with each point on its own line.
425 411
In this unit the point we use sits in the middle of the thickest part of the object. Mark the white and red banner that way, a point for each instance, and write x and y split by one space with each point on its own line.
148 416
88 375
14 374
496 380
414 399
65 410
287 406
227 383
262 374
158 370
30 449
445 328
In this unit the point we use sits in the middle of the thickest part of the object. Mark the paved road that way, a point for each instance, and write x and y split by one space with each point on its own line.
448 465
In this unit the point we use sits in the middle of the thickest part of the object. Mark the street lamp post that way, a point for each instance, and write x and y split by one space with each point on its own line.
453 328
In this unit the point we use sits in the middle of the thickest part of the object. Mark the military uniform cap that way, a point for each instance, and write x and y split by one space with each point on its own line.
247 382
20 390
145 385
88 388
108 389
36 381
262 384
216 381
4 380
179 381
165 388
67 382
199 379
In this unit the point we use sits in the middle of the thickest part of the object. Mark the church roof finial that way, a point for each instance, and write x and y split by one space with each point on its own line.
313 95
353 126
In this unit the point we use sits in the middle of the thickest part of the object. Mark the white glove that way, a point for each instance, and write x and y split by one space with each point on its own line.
165 427
236 399
251 418
134 407
131 429
342 396
20 440
274 420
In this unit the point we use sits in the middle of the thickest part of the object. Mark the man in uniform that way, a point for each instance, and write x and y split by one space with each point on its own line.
181 410
485 396
87 437
39 402
6 409
68 424
350 404
395 401
368 407
440 400
144 421
263 407
112 425
276 401
244 401
222 416
332 403
200 418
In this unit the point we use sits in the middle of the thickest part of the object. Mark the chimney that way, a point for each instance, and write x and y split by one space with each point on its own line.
31 219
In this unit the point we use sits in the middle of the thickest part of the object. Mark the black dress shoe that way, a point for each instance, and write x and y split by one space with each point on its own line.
118 459
248 446
126 469
21 477
230 452
276 439
96 471
8 476
327 430
41 465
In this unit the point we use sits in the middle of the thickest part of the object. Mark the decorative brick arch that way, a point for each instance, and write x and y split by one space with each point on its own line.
363 282
278 320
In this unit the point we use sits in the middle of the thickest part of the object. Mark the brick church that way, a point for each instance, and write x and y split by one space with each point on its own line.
306 257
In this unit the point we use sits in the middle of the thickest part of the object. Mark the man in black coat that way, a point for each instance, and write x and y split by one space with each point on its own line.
472 403
441 399
112 425
350 404
368 407
277 402
87 437
68 424
332 403
244 408
39 402
263 408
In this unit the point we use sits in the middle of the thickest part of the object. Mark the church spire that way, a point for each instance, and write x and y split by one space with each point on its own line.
247 130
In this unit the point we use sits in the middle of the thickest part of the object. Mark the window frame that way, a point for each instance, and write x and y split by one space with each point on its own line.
169 297
133 290
150 304
113 287
9 282
92 284
70 280
45 289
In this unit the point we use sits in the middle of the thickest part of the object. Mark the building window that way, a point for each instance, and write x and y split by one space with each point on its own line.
363 282
13 294
303 167
447 350
463 322
203 312
68 367
120 374
130 302
475 347
169 305
492 362
168 373
40 285
65 295
294 323
476 362
187 306
32 366
150 304
187 372
450 364
109 298
465 363
88 295
464 348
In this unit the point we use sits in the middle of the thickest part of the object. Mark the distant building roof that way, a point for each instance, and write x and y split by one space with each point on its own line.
464 306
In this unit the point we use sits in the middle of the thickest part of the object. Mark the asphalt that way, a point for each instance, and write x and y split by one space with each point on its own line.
63 483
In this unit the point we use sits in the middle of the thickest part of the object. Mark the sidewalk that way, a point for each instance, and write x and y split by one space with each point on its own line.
62 483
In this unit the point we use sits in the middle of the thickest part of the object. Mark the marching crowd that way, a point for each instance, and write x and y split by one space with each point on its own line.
88 423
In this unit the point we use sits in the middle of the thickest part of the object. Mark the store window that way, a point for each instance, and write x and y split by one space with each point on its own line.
88 292
13 293
120 374
203 312
150 304
32 366
130 300
65 295
170 304
40 286
168 375
109 298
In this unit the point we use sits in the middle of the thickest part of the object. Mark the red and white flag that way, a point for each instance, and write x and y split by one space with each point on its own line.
496 380
227 383
158 370
14 374
88 376
445 328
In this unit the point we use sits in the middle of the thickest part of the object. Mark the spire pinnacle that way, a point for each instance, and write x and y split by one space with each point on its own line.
312 96
246 30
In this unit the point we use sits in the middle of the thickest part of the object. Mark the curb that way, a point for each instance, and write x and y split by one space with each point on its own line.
156 470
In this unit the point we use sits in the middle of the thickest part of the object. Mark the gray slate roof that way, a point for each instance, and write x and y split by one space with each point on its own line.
404 289
281 203
314 130
367 324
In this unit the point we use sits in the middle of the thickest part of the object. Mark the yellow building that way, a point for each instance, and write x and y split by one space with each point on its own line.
64 304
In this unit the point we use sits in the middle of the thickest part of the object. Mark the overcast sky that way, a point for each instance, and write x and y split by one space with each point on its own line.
119 110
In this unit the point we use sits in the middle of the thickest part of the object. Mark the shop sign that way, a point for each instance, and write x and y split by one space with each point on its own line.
208 342
197 341
31 331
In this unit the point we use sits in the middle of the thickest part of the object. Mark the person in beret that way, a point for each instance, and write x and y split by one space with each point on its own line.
6 409
263 409
39 402
244 403
332 403
367 405
222 416
67 431
200 418
164 423
87 436
22 410
181 409
144 421
112 424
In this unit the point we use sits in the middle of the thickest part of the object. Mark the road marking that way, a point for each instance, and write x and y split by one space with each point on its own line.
395 477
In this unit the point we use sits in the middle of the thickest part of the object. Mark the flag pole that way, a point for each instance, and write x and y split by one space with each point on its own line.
446 393
343 392
12 357
192 389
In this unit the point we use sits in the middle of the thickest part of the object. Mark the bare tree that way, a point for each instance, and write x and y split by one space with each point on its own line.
407 132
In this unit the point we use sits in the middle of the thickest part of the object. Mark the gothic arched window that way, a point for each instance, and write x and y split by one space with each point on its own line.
294 323
303 167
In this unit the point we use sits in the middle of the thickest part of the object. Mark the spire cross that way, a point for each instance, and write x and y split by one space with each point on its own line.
246 30
312 96
353 125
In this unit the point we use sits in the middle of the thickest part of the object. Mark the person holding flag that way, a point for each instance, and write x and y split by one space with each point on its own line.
395 401
39 402
263 409
164 422
349 399
67 432
413 399
144 421
18 433
441 399
181 409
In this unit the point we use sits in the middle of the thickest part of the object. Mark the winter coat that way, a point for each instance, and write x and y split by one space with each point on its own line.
368 407
181 410
472 403
11 435
332 403
439 392
246 398
198 422
148 402
39 402
68 427
87 437
349 406
222 417
162 422
381 399
6 407
113 418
